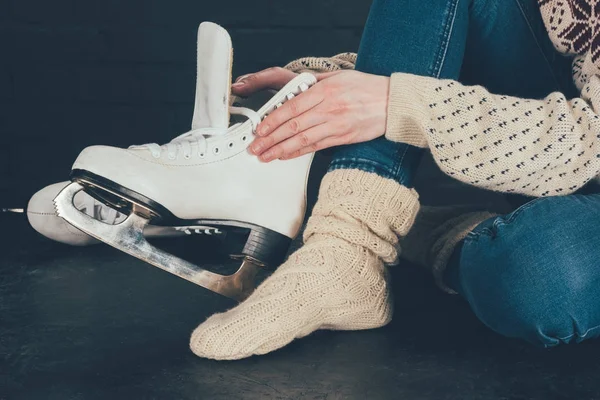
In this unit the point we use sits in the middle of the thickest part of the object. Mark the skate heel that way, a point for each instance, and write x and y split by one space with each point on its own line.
266 247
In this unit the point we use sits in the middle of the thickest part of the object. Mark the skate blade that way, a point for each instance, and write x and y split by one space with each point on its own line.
128 237
13 210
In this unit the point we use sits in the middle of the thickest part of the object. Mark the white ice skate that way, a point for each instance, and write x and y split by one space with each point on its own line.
205 177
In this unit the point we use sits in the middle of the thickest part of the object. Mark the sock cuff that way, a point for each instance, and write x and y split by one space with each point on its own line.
352 198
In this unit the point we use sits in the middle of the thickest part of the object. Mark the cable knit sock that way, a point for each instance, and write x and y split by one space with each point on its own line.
336 281
436 231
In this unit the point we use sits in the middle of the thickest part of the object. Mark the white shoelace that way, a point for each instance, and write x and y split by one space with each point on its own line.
198 136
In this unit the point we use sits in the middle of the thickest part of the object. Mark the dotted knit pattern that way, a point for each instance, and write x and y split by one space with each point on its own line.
337 280
536 147
502 143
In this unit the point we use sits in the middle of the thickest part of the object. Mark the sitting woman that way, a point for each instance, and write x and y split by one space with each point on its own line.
505 96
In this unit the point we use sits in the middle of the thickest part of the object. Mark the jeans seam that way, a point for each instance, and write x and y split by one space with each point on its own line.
474 236
361 164
563 339
535 38
499 221
343 162
398 164
514 214
448 29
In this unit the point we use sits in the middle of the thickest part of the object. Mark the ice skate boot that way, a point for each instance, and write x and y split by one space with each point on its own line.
202 178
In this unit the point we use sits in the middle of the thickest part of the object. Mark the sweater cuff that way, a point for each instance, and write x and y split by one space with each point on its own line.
323 64
407 110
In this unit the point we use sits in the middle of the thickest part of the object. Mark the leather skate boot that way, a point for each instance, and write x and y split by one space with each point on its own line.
205 177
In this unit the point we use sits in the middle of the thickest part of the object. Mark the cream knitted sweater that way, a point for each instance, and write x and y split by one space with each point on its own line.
536 147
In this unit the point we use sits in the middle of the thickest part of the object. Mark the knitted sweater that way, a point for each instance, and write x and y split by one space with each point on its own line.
535 147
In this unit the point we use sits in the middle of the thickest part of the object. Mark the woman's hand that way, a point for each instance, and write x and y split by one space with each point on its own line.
343 107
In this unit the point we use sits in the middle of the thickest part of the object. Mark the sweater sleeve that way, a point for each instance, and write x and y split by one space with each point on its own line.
534 147
323 64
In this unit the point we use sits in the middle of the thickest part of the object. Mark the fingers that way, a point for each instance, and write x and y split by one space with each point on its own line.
326 143
271 78
295 126
306 140
287 114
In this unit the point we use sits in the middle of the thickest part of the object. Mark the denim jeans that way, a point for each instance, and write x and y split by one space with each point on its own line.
534 273
531 274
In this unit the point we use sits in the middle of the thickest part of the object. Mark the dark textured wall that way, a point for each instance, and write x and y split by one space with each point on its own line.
79 72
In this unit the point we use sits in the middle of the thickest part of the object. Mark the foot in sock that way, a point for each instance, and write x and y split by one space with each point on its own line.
336 281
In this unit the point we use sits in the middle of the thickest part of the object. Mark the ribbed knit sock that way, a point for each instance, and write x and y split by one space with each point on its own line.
435 233
336 281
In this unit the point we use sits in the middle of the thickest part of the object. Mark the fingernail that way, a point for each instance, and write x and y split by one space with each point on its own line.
238 84
267 156
242 77
256 148
263 130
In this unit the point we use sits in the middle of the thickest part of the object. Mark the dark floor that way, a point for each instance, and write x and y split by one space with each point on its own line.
87 323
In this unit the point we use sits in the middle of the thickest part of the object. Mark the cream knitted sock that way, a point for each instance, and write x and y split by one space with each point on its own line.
337 280
435 233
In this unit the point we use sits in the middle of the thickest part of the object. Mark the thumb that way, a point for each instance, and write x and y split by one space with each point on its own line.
272 78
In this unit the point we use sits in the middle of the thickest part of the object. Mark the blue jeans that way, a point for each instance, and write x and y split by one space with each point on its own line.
534 273
530 274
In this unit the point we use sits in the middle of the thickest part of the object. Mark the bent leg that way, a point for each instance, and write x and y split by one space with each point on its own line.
424 38
499 44
533 274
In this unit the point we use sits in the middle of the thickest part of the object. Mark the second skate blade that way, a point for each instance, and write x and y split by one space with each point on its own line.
128 237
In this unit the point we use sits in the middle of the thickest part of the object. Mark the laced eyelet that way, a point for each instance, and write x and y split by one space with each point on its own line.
172 157
155 155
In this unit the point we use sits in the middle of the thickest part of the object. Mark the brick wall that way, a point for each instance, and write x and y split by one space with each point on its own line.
79 72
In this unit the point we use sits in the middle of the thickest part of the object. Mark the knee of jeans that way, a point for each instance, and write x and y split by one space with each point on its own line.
544 297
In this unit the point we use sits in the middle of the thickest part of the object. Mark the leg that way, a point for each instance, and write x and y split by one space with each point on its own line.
338 280
400 37
500 44
509 52
514 269
532 274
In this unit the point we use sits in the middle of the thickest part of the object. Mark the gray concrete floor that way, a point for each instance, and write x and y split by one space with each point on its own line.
93 323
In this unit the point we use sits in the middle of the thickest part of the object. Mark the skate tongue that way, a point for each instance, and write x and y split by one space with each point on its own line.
213 80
